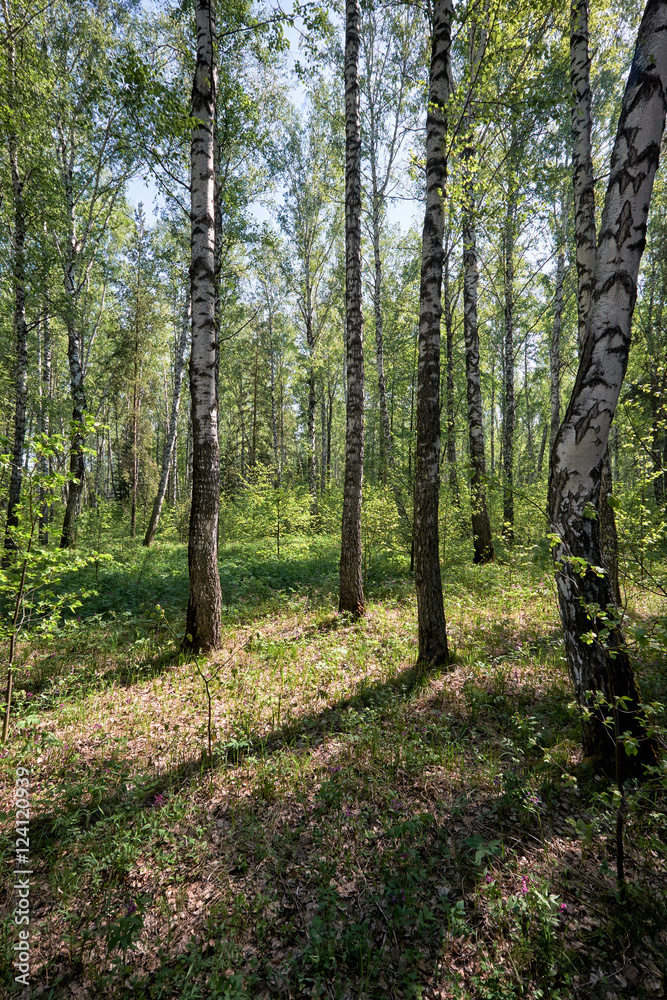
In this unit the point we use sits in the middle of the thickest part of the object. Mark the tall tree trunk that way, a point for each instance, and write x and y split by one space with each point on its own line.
509 414
481 525
351 593
584 225
170 440
203 624
20 327
430 610
596 650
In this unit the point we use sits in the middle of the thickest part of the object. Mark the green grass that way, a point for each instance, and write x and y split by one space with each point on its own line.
365 830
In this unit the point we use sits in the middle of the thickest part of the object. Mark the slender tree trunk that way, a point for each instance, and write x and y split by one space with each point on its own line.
203 624
582 162
20 327
509 414
430 610
596 649
481 525
351 593
170 440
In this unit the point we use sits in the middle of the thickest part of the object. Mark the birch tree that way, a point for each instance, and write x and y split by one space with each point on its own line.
596 650
428 581
203 624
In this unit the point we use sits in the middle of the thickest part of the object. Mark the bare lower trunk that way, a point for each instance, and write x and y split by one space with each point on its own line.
170 440
203 624
596 648
428 581
351 594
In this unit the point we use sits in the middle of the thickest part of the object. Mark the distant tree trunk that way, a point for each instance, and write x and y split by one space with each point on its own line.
135 404
428 581
20 326
584 225
45 417
75 359
170 440
509 414
351 594
272 372
449 390
203 624
481 525
323 440
312 403
554 347
586 595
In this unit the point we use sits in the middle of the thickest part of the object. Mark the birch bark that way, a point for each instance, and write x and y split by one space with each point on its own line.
168 450
428 581
584 225
203 625
595 645
351 593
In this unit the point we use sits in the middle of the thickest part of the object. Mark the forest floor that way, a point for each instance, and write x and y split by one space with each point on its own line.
365 831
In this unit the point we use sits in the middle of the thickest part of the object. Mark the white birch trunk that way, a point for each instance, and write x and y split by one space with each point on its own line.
351 593
203 624
430 611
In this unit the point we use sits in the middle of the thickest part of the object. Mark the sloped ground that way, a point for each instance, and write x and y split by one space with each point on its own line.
364 831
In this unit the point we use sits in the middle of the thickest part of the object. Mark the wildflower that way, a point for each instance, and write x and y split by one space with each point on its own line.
488 877
132 908
563 907
524 883
28 694
158 801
